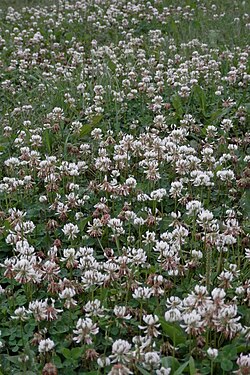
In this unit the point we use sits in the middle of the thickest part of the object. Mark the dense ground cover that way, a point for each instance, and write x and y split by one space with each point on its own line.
124 187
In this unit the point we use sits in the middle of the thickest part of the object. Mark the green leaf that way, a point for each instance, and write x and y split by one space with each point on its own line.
13 359
83 222
174 332
87 128
201 98
213 36
164 224
205 367
47 138
245 203
229 352
192 369
66 353
242 348
57 361
142 371
171 362
115 330
181 368
60 327
226 364
177 104
76 352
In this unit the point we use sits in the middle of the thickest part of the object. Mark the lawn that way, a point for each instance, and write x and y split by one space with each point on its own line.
124 187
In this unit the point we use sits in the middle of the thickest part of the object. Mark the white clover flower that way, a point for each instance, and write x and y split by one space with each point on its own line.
226 124
149 237
158 195
142 293
45 345
173 315
70 230
43 199
24 271
197 254
226 175
205 216
119 369
201 178
139 221
218 294
103 361
94 308
120 351
243 362
25 227
212 353
85 328
176 189
92 277
151 360
151 328
163 371
38 309
116 226
193 207
247 253
192 322
121 312
239 290
68 294
131 182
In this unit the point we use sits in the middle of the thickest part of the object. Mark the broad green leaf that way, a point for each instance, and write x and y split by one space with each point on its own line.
96 119
192 369
201 98
245 203
226 364
47 138
83 222
180 370
229 351
61 327
142 371
242 348
66 353
171 362
76 352
174 332
57 361
164 224
87 128
213 37
177 104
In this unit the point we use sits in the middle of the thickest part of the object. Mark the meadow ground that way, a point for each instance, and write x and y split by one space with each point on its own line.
124 187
